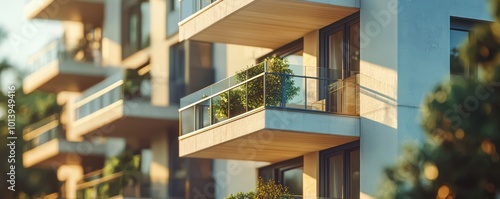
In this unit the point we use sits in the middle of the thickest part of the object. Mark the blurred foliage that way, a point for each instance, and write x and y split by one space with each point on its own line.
265 190
129 164
460 156
30 183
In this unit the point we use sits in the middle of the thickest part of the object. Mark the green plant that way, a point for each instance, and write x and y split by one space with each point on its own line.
279 83
265 190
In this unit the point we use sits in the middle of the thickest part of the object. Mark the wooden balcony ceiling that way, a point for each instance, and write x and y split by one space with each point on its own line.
261 23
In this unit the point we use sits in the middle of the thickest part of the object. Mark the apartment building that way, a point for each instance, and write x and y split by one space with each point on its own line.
134 74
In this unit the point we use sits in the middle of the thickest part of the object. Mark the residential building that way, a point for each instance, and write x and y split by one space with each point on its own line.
134 73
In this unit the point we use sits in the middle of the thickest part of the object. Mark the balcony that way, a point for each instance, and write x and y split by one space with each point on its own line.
90 11
45 146
57 68
120 107
270 114
98 185
260 23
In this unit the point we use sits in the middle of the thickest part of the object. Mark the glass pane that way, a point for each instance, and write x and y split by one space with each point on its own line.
336 176
354 49
176 77
145 24
237 99
202 114
200 54
312 95
457 38
293 180
295 58
133 31
187 120
354 174
295 94
220 107
274 89
255 93
335 58
334 103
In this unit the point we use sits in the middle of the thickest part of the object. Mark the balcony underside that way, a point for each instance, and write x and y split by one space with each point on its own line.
261 23
58 152
66 10
126 119
64 76
270 135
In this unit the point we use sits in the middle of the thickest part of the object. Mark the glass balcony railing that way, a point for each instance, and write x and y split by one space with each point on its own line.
111 90
103 187
292 87
87 51
189 7
49 130
126 184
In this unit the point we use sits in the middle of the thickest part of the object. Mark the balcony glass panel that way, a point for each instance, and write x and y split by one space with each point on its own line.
83 50
52 131
133 87
189 7
295 87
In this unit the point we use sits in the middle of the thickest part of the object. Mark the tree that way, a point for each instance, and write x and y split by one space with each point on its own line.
460 156
28 109
265 190
279 88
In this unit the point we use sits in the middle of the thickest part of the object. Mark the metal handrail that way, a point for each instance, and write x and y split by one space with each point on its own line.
337 101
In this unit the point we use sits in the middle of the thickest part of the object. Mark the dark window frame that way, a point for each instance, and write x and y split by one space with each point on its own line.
130 7
283 51
277 169
324 33
323 166
465 25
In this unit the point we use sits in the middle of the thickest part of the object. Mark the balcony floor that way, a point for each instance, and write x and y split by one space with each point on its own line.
270 135
126 119
58 152
64 76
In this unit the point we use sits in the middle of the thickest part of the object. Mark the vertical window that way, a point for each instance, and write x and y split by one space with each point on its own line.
340 62
460 33
339 48
287 173
177 85
136 26
339 171
173 8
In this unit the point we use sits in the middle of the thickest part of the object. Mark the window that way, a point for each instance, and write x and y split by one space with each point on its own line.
291 51
136 26
339 48
200 68
173 7
287 173
339 171
339 63
460 32
177 77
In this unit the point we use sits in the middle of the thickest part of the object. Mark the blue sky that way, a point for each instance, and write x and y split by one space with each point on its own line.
25 37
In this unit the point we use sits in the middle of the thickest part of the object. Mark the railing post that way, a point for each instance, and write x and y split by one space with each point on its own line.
210 110
305 93
246 90
283 90
264 83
